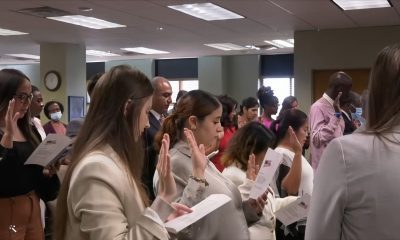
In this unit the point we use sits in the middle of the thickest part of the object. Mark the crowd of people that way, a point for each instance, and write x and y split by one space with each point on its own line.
136 164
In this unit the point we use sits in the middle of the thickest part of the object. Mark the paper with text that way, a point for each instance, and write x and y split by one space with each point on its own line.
267 170
200 210
294 211
49 150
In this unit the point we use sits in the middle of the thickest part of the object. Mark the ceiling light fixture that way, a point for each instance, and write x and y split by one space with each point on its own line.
225 46
98 53
7 32
206 11
289 43
89 22
144 50
361 4
24 55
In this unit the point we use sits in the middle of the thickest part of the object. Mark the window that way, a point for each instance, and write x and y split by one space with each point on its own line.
282 87
177 85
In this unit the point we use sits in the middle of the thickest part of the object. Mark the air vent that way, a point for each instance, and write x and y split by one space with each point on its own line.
44 12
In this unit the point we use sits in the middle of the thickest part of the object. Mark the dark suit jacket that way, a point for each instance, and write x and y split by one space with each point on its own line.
348 125
150 154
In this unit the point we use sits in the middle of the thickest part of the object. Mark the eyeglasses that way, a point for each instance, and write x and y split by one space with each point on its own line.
23 97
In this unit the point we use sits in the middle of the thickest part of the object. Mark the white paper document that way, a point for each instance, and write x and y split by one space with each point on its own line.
200 210
294 211
49 150
267 170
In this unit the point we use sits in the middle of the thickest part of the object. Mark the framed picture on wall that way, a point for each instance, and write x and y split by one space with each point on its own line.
76 107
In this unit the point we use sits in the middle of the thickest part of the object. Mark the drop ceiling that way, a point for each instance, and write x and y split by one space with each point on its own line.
181 35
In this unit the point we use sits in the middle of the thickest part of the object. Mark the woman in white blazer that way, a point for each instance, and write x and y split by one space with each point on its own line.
200 112
356 185
245 151
102 196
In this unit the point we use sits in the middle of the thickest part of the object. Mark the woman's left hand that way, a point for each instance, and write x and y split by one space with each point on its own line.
259 203
167 186
51 169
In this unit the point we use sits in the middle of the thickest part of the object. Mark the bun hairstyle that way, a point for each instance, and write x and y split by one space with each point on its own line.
290 118
196 103
266 96
249 102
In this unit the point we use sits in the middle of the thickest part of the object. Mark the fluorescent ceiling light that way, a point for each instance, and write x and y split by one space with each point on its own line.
101 53
23 55
144 50
206 11
361 4
225 46
7 32
289 43
89 22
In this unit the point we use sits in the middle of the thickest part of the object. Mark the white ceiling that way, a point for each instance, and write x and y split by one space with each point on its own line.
182 35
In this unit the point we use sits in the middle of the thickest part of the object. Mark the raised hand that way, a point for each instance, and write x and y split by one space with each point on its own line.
336 103
252 168
198 155
294 142
10 119
167 186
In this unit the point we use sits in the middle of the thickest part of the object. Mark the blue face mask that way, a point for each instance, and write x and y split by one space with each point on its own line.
359 111
56 116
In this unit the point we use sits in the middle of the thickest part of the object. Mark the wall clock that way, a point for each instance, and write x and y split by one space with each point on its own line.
52 80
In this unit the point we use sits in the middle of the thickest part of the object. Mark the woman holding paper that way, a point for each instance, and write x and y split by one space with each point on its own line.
197 121
20 185
295 175
102 196
242 159
356 185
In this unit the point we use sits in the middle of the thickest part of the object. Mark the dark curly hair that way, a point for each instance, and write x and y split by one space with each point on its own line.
48 104
266 96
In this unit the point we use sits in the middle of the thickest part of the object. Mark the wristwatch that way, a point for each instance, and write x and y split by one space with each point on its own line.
338 114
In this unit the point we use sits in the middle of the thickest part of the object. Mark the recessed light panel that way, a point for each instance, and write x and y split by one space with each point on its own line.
206 11
23 55
144 50
225 46
7 32
89 22
100 53
361 4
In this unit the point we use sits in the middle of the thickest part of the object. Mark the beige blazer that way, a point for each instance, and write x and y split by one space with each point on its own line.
104 204
356 189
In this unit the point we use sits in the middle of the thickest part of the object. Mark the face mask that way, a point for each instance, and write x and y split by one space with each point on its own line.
56 116
359 111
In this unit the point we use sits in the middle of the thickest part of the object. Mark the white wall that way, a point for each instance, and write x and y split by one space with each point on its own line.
144 65
30 70
336 49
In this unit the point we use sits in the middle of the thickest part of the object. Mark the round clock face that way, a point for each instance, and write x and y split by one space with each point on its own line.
52 81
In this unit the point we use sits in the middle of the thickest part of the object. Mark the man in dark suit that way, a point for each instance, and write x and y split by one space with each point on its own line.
161 101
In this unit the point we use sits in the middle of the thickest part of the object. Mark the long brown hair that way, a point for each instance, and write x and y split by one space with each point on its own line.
10 81
196 103
106 124
254 137
383 111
